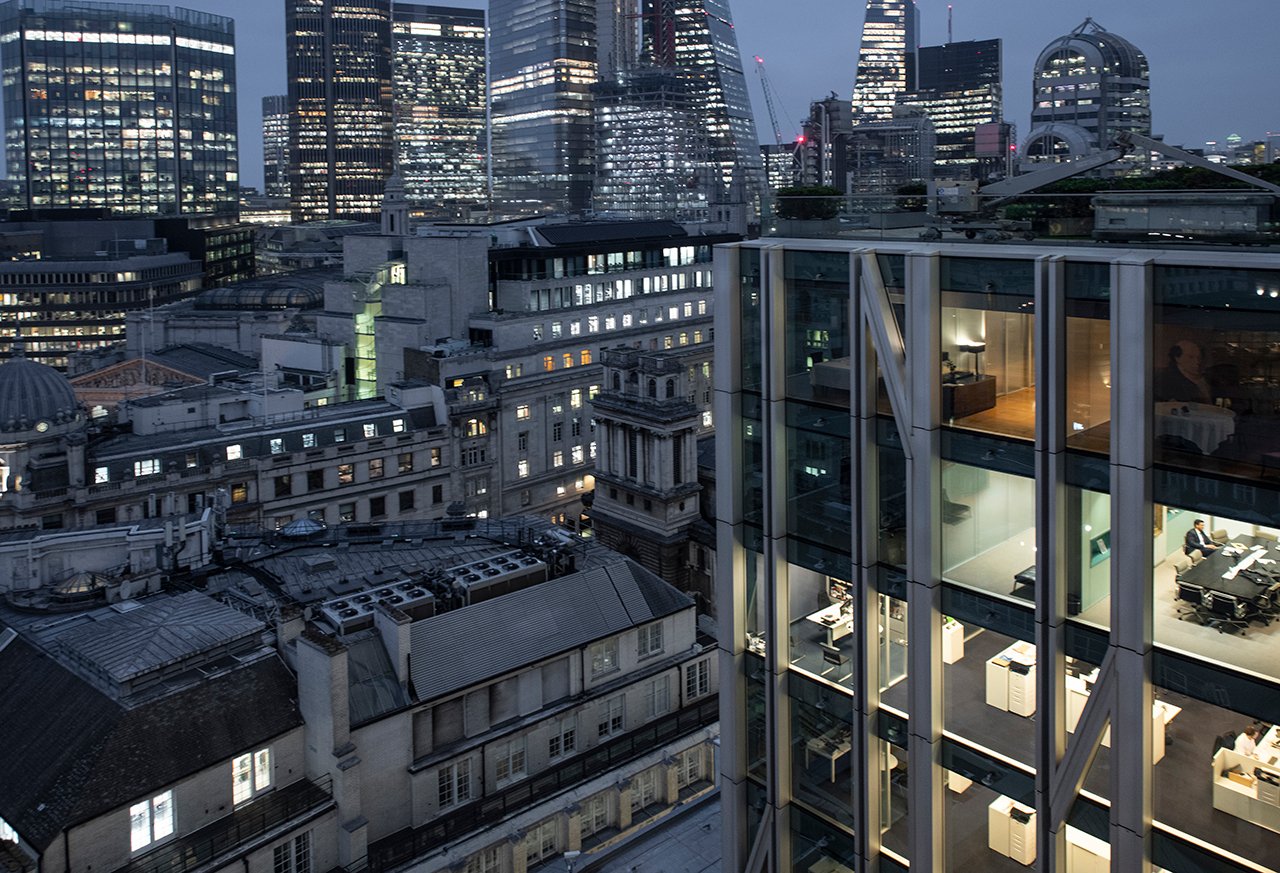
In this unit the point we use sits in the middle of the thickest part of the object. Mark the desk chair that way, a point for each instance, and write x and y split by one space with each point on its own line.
1219 535
1227 612
1196 556
1181 563
1194 598
1264 535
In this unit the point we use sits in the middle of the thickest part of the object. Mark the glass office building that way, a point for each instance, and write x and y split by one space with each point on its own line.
542 66
963 624
119 105
340 109
959 88
275 146
441 130
886 58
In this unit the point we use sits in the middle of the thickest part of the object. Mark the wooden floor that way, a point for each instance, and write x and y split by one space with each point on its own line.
1013 415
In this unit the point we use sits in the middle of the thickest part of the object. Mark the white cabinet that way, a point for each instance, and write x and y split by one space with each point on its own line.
952 642
1011 830
1011 680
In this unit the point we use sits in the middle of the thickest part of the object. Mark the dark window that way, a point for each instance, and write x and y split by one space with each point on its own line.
437 494
284 486
406 501
377 507
315 480
106 516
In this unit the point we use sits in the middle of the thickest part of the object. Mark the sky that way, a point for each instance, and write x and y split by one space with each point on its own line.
1213 64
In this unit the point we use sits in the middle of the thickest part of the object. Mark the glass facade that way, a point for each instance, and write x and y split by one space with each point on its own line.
441 131
959 88
275 146
886 58
124 106
340 107
974 630
542 67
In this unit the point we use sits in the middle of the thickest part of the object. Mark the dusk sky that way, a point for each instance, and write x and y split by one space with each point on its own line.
1213 65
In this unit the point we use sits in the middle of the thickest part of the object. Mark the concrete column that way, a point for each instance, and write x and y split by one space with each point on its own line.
924 601
624 804
573 821
1131 570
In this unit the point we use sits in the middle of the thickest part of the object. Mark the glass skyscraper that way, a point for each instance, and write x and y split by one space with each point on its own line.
886 59
959 87
542 66
996 557
340 106
441 131
125 106
275 146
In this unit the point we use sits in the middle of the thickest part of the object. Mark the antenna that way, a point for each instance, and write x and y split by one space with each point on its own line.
948 24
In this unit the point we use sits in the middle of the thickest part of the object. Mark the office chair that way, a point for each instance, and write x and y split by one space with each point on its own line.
1181 563
1196 556
1265 535
1219 535
1194 597
1227 612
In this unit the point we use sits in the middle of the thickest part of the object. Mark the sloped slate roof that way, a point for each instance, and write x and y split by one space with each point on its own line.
610 231
69 753
480 642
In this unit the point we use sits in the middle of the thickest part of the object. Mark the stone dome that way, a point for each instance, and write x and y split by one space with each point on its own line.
31 392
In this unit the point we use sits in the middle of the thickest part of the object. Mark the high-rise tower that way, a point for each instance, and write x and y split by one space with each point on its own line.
542 63
339 69
441 132
275 146
959 88
1089 86
123 106
886 59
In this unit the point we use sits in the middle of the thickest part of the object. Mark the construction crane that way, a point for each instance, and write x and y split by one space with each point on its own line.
767 87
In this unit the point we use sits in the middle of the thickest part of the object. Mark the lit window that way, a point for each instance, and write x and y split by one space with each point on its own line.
585 357
604 656
339 434
377 468
435 457
346 474
522 469
702 307
308 441
575 327
101 475
522 412
234 453
555 328
149 467
404 463
567 359
666 342
277 446
150 820
561 491
548 363
370 430
250 775
593 323
697 336
397 425
593 391
706 419
240 492
577 454
575 396
476 427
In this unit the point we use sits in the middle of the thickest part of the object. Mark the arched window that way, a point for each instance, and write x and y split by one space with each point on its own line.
671 388
617 382
653 388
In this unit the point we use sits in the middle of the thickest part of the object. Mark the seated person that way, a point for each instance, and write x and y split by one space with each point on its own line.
1247 742
1198 539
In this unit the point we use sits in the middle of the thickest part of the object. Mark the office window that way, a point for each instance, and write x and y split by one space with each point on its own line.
377 468
397 425
149 467
454 783
564 737
477 486
514 371
377 507
234 453
277 446
346 512
308 441
548 363
702 307
697 679
522 468
604 656
193 459
522 441
666 342
510 759
566 360
339 434
370 430
435 457
697 336
557 432
584 357
650 639
575 327
557 458
657 697
557 405
575 428
150 821
404 463
406 501
522 412
240 492
346 474
315 480
485 861
706 418
250 775
593 323
577 454
591 449
475 427
555 329
575 398
293 856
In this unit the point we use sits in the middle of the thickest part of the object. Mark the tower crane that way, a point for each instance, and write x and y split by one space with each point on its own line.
767 87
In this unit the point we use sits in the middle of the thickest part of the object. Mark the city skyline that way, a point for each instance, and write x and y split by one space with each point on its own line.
1191 103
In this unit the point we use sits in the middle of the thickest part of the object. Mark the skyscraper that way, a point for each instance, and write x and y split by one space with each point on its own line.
340 106
275 146
542 66
124 106
1089 86
440 129
959 88
886 59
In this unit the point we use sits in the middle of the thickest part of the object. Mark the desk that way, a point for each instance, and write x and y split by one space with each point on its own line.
833 748
1201 423
1245 801
968 395
1162 713
835 620
1011 680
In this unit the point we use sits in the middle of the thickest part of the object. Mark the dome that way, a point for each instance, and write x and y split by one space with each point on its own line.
1103 52
31 393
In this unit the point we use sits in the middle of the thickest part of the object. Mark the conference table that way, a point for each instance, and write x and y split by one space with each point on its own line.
1232 568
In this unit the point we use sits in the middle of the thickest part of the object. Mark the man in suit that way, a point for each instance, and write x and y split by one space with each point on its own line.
1198 539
